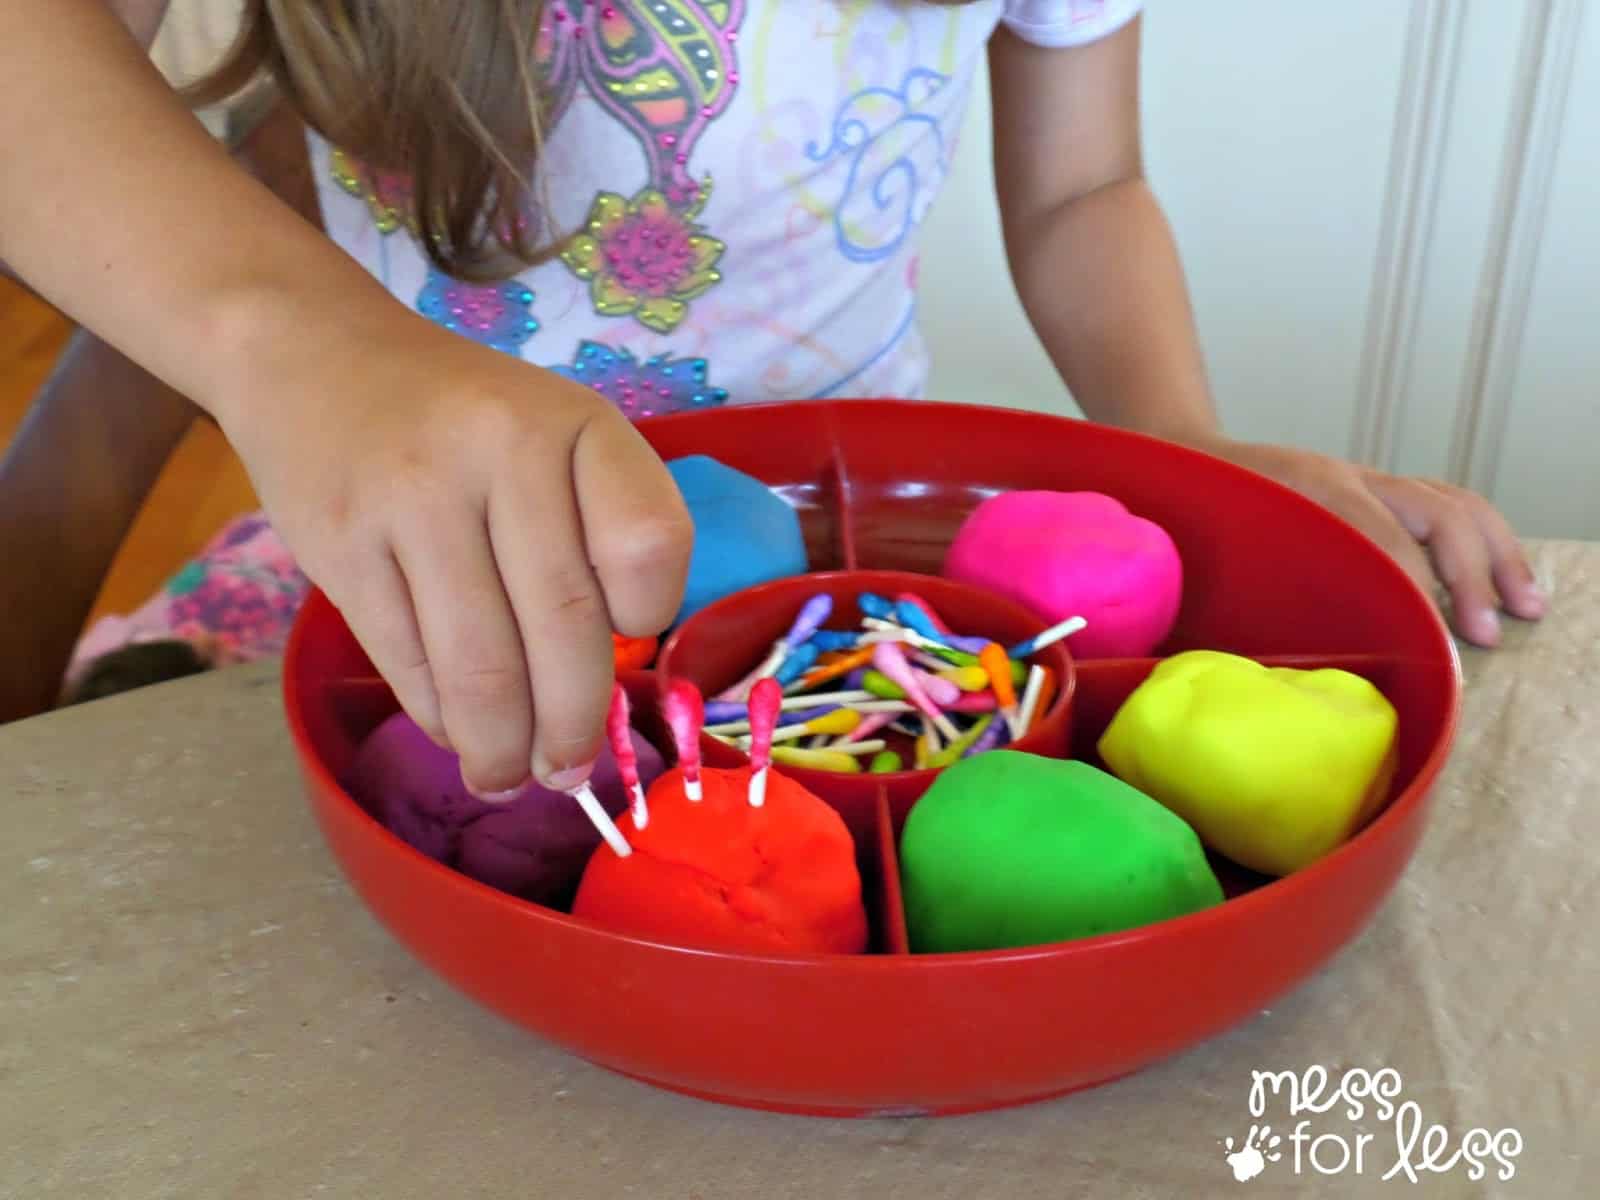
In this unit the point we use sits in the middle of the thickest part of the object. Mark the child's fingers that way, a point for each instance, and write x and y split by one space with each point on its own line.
561 611
472 643
1513 575
1458 550
1367 513
1461 558
636 527
372 596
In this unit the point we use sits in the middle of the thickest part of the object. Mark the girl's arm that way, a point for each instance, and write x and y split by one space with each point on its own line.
482 524
142 19
77 474
1098 273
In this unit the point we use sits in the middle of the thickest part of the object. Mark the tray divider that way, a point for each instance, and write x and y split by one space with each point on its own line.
843 494
891 901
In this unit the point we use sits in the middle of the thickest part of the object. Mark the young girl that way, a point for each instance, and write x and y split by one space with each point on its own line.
665 205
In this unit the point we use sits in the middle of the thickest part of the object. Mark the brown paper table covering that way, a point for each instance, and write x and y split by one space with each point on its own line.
193 1003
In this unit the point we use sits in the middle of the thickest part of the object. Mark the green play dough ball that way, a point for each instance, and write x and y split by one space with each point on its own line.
1009 849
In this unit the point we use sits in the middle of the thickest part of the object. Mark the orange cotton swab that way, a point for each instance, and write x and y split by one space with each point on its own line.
834 670
992 658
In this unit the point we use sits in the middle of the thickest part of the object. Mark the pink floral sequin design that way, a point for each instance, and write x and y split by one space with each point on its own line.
497 314
644 258
660 384
665 70
387 193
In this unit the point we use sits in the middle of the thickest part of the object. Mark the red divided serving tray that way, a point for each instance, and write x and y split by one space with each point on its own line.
883 485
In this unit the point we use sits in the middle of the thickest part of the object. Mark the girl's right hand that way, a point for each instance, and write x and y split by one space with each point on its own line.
482 524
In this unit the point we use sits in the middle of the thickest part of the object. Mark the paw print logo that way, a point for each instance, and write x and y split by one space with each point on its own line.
1260 1147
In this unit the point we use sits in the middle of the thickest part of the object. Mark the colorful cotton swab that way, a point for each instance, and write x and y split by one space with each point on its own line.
990 739
875 606
974 702
943 692
835 640
1049 637
894 632
993 659
834 724
891 660
1047 696
620 735
1018 672
957 748
810 617
935 622
819 760
916 613
685 714
842 666
870 724
765 699
885 762
595 811
795 664
1030 700
966 679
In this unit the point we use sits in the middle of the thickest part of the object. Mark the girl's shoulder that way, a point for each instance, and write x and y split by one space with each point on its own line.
1061 23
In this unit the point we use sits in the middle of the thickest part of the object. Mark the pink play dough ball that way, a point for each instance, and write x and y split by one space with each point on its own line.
1064 554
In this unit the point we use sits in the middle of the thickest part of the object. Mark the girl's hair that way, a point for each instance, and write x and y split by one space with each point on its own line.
442 92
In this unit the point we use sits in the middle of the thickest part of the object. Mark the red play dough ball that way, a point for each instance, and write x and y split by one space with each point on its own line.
1066 554
632 654
721 875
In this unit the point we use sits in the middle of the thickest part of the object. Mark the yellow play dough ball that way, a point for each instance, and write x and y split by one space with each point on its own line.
1272 766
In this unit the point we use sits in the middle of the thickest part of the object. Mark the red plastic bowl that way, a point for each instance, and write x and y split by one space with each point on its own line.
884 485
720 644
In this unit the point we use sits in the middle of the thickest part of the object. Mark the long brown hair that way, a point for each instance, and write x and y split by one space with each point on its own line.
442 92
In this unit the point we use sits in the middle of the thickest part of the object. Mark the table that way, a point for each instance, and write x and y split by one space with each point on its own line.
193 1003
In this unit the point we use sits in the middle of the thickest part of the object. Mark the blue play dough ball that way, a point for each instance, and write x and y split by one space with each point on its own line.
743 533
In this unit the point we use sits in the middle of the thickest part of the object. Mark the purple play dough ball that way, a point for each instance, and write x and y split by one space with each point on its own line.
401 777
535 847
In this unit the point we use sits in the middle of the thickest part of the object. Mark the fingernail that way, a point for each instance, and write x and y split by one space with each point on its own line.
505 797
1489 622
567 778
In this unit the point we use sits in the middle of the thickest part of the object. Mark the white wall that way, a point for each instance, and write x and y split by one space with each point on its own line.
1390 213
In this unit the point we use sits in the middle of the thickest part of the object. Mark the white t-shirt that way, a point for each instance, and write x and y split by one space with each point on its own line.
749 176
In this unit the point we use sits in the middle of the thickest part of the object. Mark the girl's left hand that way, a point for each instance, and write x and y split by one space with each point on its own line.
1444 536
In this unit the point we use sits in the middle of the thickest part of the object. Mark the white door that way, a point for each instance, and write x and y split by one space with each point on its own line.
1390 214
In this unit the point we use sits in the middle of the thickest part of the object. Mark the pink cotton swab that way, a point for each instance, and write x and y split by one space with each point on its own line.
890 658
870 724
619 733
685 713
942 692
766 699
